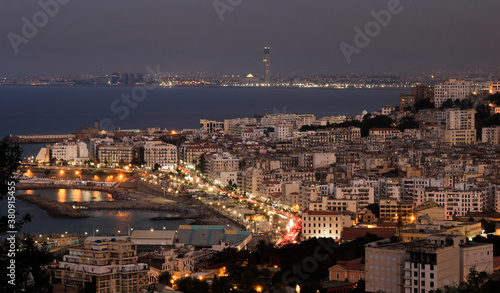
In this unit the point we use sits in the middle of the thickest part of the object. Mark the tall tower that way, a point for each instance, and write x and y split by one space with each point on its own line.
266 65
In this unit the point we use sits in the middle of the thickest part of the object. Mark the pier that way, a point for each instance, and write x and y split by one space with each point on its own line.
52 207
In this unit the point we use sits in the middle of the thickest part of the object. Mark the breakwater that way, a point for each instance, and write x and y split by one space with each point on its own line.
52 207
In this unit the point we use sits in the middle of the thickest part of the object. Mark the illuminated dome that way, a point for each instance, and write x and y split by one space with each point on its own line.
249 75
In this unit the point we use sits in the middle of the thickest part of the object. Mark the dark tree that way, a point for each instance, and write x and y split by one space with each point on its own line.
10 156
192 285
164 278
408 122
222 285
374 208
424 104
447 104
30 258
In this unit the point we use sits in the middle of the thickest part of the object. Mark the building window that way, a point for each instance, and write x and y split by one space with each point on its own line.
338 276
432 284
423 274
352 276
432 275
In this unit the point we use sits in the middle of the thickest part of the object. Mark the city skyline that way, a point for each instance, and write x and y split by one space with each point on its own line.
306 38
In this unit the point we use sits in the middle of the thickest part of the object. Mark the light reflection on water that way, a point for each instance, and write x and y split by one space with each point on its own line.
108 222
70 195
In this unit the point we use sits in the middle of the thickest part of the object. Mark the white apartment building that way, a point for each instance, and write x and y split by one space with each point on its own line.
460 126
335 205
110 264
249 180
324 224
162 154
364 194
71 150
282 132
457 202
454 89
218 163
491 135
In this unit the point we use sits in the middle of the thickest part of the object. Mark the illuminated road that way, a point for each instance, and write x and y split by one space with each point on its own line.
294 225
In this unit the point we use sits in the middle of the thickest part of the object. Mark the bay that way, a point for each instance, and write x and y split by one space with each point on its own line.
54 110
107 222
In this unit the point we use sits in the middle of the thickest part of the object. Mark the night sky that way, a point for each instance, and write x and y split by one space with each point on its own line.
102 36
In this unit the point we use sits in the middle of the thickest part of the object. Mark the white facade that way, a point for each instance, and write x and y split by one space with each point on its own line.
162 154
71 151
282 132
454 89
491 135
221 162
324 224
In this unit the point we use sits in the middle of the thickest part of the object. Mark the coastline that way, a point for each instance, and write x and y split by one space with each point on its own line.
138 197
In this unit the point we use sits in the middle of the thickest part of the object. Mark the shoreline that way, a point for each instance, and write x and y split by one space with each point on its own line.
140 197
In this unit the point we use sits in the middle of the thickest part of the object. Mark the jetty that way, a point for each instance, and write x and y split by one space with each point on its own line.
52 207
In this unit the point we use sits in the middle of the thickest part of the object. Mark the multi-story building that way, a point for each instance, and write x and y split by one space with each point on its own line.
491 135
391 210
111 265
384 268
211 125
457 202
384 133
282 132
460 126
421 92
191 153
114 154
424 265
162 154
249 180
218 165
494 87
454 89
364 194
269 189
316 159
324 224
406 101
71 150
95 142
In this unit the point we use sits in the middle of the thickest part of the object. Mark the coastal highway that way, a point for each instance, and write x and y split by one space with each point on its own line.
294 222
